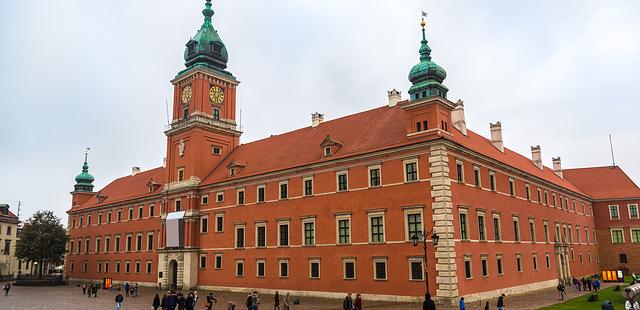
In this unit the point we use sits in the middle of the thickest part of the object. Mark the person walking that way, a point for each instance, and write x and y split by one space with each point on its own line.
276 301
190 302
163 302
596 285
172 301
462 306
180 301
119 299
210 301
501 302
486 306
95 290
357 304
560 289
255 300
347 303
84 288
248 302
7 288
156 302
126 289
135 289
287 302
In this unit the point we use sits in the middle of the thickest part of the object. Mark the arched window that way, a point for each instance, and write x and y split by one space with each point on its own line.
623 258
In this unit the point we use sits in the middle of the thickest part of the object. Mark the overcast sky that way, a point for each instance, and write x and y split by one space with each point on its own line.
77 73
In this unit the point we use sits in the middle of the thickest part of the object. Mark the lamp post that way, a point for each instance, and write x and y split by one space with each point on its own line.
434 239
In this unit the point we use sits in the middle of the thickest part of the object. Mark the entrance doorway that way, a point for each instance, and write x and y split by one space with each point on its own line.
173 274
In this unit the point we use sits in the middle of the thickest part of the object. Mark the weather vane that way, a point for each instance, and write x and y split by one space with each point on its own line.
422 22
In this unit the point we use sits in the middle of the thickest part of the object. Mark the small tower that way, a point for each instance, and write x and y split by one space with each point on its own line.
426 76
83 190
84 179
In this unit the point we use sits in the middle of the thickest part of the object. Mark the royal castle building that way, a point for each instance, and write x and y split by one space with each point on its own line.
335 207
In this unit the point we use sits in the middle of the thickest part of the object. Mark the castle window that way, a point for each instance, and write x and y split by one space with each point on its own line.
180 174
284 190
623 258
492 180
374 176
418 126
220 197
216 114
308 186
512 187
411 171
178 205
215 150
204 200
459 171
261 193
424 94
327 151
241 196
613 212
476 175
342 181
425 125
185 113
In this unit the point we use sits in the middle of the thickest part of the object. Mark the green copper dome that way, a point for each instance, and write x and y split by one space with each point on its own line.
84 179
206 48
427 76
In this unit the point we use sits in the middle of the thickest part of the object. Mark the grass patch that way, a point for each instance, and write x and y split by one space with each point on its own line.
581 303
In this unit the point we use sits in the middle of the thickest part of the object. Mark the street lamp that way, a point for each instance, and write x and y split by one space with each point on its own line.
434 239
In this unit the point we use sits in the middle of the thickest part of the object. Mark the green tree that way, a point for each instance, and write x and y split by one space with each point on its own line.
43 239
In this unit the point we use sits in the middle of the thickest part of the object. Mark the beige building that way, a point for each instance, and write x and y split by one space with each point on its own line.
9 263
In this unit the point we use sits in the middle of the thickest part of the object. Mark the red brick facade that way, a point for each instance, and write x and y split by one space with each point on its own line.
331 208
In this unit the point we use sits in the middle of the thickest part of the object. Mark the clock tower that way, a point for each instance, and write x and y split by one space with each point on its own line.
204 128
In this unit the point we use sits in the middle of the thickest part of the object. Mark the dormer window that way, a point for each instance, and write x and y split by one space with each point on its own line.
327 151
330 146
150 188
232 171
191 48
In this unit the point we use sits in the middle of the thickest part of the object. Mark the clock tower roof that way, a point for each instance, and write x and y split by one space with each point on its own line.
206 48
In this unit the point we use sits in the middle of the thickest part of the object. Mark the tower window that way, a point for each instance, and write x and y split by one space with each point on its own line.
215 150
216 114
424 94
418 126
425 125
185 113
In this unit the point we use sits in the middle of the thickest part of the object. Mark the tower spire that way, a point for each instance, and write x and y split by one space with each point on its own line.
426 76
84 179
207 12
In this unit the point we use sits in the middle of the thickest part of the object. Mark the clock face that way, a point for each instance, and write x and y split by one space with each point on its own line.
216 94
186 94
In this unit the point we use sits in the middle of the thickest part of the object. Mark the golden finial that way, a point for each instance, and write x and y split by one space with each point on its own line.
422 22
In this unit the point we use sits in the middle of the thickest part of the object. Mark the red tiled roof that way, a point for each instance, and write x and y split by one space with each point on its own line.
483 146
603 182
363 132
128 187
9 218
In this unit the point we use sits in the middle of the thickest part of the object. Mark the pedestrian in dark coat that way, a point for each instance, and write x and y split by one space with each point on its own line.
210 301
7 288
163 302
276 301
357 305
119 299
156 302
486 306
501 302
84 288
181 301
190 302
126 288
172 301
347 303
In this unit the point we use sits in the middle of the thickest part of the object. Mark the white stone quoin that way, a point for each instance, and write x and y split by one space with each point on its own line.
496 136
536 156
557 166
457 117
316 119
394 97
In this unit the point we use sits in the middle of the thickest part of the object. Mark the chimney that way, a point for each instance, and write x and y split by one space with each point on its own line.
496 136
557 166
316 119
135 170
536 156
457 117
394 97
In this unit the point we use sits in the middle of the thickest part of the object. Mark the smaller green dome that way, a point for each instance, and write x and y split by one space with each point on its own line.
427 76
84 179
206 47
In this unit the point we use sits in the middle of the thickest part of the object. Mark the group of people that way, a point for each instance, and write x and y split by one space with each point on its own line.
585 284
172 301
499 304
92 289
131 290
349 304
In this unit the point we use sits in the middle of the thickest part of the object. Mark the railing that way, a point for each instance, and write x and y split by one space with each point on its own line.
203 120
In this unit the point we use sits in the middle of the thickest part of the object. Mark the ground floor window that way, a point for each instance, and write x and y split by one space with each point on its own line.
415 269
380 268
349 268
314 269
467 267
